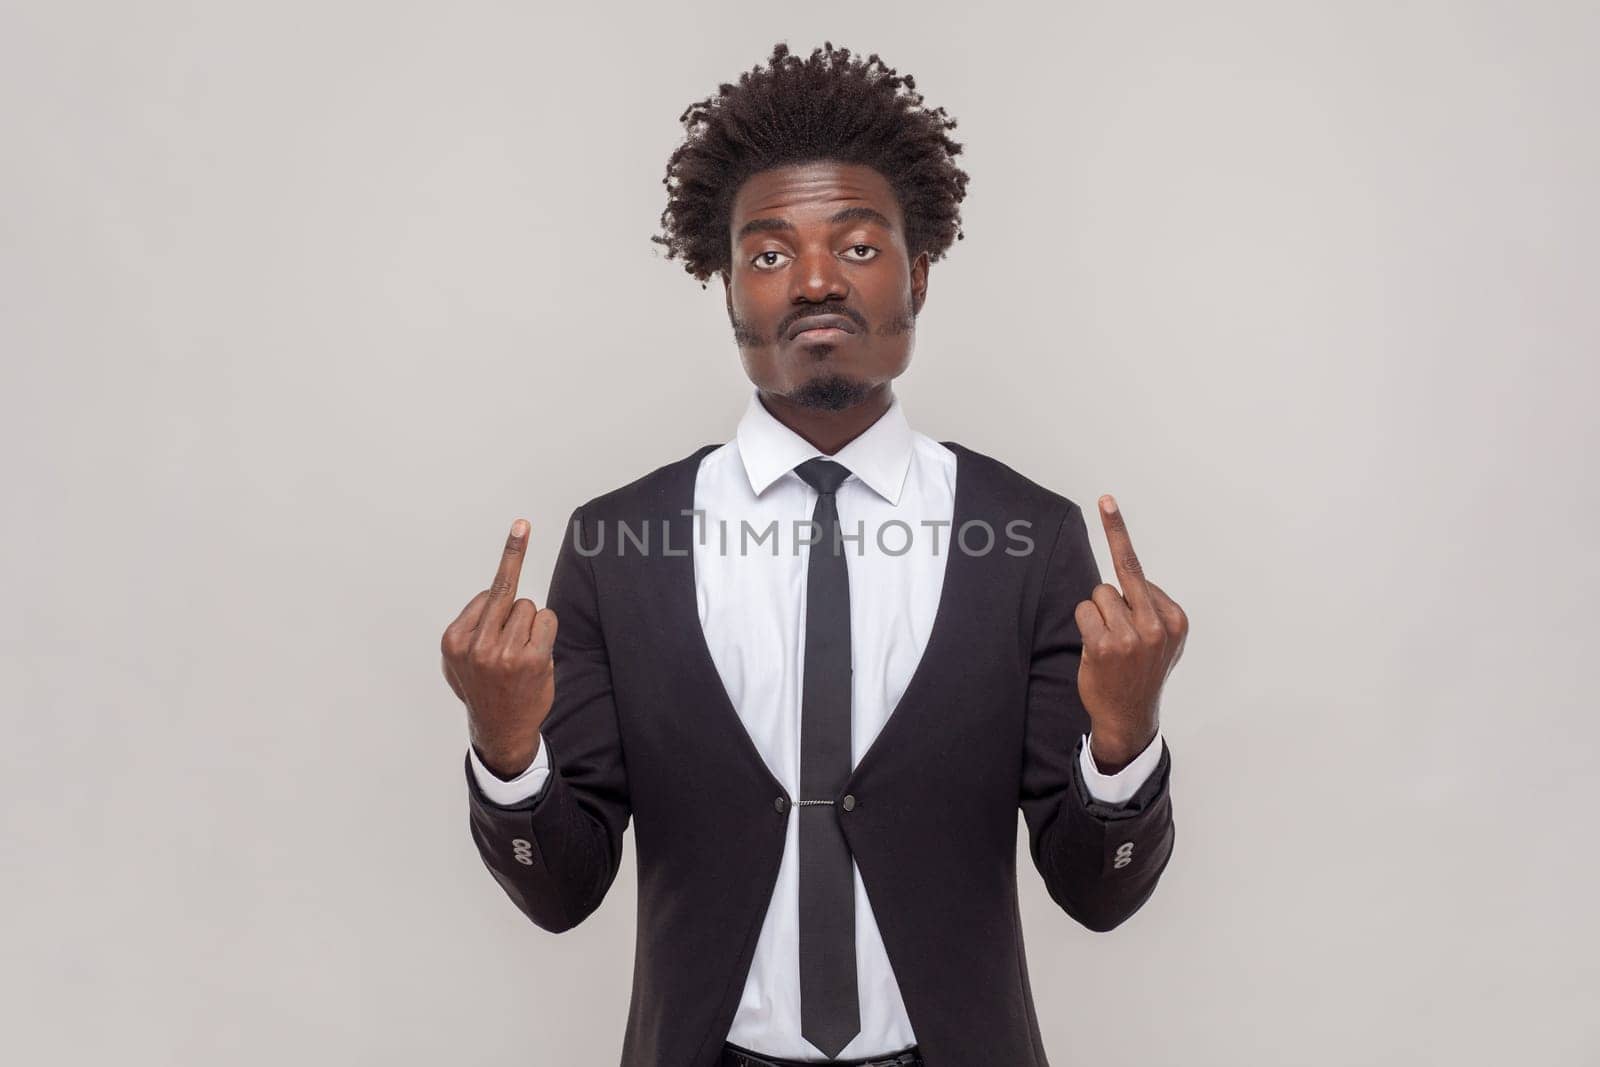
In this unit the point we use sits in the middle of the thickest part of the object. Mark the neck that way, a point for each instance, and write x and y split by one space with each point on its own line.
829 431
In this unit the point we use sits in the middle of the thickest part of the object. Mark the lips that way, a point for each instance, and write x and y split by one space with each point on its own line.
821 322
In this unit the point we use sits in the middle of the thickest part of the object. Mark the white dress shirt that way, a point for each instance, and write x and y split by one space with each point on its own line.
752 609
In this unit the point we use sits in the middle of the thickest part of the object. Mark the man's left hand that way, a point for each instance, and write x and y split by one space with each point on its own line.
1131 641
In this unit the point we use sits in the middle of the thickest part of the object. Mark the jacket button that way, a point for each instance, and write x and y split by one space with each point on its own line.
849 802
782 804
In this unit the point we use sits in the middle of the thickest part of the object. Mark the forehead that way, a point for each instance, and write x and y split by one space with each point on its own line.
809 192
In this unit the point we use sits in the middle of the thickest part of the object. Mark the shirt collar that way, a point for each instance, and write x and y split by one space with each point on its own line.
880 455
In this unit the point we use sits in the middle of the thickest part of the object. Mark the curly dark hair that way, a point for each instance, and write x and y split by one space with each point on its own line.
795 110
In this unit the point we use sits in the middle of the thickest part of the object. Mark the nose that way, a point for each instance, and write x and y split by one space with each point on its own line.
818 276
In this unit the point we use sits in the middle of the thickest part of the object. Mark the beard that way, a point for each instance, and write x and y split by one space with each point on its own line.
830 392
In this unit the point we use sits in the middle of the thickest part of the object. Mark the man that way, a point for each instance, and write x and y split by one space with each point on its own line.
821 715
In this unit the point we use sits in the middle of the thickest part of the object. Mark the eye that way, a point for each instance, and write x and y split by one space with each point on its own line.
760 256
868 248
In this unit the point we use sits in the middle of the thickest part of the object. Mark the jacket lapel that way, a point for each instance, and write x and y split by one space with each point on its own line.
681 601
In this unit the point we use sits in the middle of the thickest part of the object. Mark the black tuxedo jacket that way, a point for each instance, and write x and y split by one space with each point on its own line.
991 721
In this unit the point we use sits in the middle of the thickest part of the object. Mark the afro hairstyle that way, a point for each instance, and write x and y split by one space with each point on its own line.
829 106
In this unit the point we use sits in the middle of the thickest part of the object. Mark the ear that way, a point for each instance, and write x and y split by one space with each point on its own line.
919 282
727 290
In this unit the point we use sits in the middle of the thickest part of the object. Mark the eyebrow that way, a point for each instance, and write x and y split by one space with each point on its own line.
866 214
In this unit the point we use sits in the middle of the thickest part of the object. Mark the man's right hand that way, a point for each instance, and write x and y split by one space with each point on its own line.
497 658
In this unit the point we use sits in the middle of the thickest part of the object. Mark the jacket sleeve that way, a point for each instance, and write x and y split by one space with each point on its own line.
1099 861
556 853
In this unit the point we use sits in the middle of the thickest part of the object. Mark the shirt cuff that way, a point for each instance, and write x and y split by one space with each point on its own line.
504 791
1120 787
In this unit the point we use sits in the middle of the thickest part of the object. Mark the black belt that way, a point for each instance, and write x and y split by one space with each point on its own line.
734 1056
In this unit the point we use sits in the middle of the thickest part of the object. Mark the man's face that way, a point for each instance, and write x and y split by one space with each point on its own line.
814 239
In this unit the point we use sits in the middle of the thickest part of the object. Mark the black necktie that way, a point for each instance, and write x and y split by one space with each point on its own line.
829 1012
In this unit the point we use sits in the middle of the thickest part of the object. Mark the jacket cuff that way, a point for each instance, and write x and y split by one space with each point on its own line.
1131 832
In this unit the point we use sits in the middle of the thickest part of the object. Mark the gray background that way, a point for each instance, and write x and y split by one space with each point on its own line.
301 304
